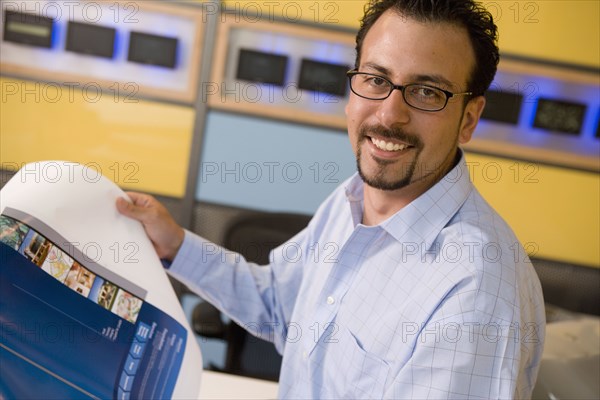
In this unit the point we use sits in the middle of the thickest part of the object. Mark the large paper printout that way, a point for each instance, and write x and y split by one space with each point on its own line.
86 309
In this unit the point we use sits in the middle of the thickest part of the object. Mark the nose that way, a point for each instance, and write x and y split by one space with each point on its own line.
393 110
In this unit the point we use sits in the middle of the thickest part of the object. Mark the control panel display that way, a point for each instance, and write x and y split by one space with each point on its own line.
502 107
323 77
559 116
28 29
257 66
146 48
90 39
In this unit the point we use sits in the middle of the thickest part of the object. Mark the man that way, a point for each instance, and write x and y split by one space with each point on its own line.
406 283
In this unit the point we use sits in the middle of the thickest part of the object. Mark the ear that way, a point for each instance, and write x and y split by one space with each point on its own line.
470 118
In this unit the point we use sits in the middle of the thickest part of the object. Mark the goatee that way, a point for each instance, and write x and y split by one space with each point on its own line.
378 179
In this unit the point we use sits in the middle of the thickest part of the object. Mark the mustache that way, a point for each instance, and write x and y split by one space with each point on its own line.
393 133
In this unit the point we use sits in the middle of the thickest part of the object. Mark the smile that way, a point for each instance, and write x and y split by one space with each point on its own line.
388 146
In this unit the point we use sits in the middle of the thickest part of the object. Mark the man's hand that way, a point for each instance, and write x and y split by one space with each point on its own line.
166 235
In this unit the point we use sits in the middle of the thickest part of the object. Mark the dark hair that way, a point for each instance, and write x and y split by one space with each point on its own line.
465 13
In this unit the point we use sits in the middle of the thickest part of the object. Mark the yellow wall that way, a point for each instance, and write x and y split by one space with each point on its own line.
345 13
140 145
558 30
555 212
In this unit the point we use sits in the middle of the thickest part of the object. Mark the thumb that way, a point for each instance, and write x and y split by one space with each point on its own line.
130 210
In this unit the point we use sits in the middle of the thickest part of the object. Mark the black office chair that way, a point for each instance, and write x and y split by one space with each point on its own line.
253 236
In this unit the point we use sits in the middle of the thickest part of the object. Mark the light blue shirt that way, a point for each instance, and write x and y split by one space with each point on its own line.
438 301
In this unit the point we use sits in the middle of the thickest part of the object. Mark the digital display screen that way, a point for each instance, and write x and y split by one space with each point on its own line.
90 39
323 77
146 48
256 66
502 107
559 116
28 29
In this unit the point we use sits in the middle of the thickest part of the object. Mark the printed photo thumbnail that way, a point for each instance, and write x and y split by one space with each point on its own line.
103 293
12 232
35 247
80 279
127 306
57 263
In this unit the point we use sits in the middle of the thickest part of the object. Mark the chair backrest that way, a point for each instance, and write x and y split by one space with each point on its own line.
256 234
568 286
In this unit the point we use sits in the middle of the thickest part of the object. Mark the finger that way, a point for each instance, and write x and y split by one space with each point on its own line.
123 205
140 199
131 210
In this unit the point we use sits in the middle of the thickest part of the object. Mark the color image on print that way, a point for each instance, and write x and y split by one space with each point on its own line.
127 306
12 232
57 263
80 279
65 269
35 247
103 292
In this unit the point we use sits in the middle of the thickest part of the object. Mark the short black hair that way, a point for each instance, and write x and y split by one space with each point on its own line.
469 14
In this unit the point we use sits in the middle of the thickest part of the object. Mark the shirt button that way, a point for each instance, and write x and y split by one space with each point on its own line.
304 355
330 300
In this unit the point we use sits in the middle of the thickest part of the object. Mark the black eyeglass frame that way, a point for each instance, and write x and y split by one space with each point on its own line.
402 89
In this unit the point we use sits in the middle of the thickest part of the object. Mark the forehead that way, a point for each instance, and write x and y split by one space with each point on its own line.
406 49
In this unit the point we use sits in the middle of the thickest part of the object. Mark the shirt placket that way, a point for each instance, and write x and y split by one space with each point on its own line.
329 301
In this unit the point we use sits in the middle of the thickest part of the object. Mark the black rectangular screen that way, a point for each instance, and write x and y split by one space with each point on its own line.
146 48
90 39
29 29
559 116
323 77
257 66
502 106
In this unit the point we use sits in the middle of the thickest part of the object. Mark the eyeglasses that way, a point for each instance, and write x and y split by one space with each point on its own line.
416 95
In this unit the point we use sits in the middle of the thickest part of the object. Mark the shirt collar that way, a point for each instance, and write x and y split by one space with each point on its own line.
422 219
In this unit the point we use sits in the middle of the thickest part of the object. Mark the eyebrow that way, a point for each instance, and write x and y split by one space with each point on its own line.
378 68
437 79
418 78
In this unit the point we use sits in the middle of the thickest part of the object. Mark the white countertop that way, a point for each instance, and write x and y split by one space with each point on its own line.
217 385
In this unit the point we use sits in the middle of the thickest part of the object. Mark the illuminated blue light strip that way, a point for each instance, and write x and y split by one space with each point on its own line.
55 36
533 88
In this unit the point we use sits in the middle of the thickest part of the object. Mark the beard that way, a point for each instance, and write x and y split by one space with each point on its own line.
380 179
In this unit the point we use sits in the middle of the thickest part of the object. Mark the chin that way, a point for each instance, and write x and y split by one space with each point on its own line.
380 182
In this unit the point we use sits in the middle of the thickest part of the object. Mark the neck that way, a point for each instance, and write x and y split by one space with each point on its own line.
379 204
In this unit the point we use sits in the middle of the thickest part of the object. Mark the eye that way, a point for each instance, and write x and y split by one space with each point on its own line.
376 81
426 93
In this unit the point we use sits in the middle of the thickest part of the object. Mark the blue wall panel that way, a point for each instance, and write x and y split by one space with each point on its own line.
270 165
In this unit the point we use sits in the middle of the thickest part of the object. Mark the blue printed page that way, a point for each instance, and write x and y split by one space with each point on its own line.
86 310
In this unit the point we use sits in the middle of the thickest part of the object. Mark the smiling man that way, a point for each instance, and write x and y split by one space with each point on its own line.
406 137
428 293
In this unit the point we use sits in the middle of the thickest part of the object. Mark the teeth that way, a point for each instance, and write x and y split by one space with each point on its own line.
388 146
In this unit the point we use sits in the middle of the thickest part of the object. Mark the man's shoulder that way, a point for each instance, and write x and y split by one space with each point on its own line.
484 262
478 220
479 240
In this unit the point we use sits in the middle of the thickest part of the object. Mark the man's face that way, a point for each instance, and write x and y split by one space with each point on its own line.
422 144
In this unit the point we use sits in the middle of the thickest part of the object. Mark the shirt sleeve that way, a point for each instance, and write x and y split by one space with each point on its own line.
259 298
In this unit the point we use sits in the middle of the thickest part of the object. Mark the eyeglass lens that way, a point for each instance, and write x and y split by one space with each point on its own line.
378 88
